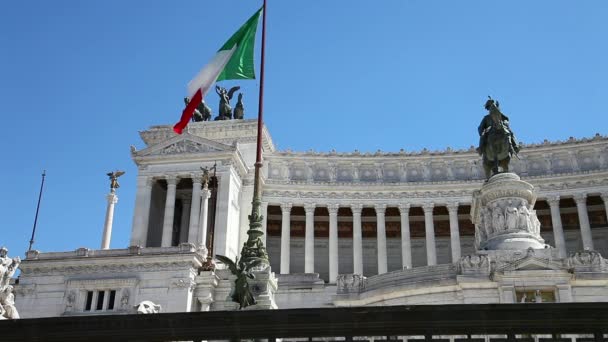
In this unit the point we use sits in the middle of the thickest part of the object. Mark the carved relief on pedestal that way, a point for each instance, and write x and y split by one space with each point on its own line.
350 283
474 264
586 261
503 215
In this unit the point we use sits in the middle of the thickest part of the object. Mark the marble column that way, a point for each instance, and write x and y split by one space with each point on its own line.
333 241
264 213
141 214
201 240
107 227
195 208
429 231
556 222
185 221
583 219
285 236
357 239
454 231
309 239
406 242
169 211
605 199
381 237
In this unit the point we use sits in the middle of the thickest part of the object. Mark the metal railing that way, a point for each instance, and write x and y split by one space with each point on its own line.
468 322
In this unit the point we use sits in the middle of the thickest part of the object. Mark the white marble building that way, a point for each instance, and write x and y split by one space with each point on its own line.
343 229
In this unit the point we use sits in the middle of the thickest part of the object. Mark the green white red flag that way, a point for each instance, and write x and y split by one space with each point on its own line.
234 60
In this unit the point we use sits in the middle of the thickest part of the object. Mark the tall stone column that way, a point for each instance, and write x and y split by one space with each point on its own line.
357 239
605 199
333 241
169 211
201 240
195 208
381 237
406 242
556 222
107 227
309 239
285 236
141 214
264 213
583 219
454 230
429 231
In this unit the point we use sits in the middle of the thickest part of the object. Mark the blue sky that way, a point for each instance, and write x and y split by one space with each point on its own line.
79 79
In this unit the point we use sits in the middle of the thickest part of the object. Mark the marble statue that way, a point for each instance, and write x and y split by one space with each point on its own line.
512 214
498 218
497 143
7 304
239 109
147 307
114 180
524 218
225 97
8 267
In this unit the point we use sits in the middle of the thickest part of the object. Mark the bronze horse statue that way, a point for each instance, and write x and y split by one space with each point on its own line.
497 143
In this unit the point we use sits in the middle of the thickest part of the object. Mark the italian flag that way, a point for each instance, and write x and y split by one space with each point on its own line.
234 60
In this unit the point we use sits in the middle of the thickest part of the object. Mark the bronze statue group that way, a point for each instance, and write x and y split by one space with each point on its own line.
203 112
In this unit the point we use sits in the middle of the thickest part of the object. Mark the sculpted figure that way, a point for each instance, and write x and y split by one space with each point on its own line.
497 143
7 301
524 218
511 216
239 109
225 97
487 220
498 218
114 180
202 111
8 267
535 223
147 307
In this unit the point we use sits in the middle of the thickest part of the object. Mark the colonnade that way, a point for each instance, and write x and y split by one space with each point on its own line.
198 213
406 243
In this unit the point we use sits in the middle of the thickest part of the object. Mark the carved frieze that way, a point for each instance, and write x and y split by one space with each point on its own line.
350 283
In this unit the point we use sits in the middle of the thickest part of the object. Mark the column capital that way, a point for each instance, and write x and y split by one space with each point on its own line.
380 208
604 196
452 207
580 198
172 179
196 178
148 181
356 208
286 207
332 208
309 208
428 207
553 200
112 198
206 194
404 208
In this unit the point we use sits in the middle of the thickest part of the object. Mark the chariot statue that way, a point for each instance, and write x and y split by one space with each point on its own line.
239 109
202 111
497 143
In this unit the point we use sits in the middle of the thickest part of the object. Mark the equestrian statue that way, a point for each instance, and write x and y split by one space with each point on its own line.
497 143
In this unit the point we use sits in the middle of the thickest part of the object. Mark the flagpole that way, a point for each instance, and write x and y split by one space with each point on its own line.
37 210
254 247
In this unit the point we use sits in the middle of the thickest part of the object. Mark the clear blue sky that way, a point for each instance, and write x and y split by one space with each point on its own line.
79 79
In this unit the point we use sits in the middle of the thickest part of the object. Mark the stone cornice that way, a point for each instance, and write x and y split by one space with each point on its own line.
227 131
598 139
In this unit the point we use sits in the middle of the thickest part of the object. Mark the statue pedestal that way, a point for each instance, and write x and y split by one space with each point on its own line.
503 214
263 287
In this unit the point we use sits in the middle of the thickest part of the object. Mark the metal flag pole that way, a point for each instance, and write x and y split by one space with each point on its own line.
37 210
254 247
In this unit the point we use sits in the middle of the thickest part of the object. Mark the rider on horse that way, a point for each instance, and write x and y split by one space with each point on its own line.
495 120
